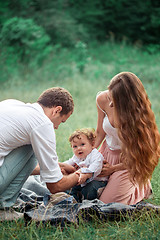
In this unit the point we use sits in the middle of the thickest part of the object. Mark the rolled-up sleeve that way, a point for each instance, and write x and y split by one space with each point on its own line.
43 141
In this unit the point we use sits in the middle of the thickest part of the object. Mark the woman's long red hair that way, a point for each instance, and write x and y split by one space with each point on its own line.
136 125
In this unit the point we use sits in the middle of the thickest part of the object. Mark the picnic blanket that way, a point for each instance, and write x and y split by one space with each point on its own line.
35 200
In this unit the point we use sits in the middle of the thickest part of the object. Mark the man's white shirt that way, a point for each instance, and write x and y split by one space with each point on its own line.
22 124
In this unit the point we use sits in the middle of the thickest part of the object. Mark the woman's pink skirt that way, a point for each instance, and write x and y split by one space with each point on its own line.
120 188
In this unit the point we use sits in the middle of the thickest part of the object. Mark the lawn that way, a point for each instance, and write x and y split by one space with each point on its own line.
62 69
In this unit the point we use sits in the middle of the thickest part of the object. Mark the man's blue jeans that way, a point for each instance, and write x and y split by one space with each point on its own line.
16 168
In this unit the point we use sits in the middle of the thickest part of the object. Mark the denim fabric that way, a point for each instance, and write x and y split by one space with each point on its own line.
17 166
89 191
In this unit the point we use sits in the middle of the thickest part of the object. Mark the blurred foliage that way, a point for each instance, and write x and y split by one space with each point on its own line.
34 30
81 55
69 21
54 16
25 39
152 48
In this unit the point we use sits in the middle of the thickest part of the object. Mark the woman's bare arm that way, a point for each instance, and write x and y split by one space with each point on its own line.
108 169
100 134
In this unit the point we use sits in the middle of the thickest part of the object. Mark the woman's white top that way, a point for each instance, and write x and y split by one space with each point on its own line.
111 137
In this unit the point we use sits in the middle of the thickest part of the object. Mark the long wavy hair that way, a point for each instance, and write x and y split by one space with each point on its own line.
136 126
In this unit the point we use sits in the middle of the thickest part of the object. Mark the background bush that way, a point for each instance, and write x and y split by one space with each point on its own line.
22 37
68 21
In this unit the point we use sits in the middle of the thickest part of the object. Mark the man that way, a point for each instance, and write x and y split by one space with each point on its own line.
26 136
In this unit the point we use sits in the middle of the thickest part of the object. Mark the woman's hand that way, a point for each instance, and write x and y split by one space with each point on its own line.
107 169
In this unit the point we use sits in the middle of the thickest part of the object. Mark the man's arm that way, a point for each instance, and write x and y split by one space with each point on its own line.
36 171
83 177
65 183
66 168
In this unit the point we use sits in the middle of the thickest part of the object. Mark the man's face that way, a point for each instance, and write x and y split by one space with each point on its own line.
58 119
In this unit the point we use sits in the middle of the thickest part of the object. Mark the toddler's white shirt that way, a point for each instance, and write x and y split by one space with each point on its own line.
91 164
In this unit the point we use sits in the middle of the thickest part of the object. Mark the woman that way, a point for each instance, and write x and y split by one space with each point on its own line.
131 148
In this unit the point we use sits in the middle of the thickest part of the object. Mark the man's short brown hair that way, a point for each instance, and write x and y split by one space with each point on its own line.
57 96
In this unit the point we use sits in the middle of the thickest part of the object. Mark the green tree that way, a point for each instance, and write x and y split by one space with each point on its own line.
25 39
69 21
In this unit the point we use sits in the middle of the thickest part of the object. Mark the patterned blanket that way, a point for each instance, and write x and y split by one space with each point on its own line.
39 205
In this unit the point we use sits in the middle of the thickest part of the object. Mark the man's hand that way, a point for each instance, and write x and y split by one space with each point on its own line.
66 169
76 166
83 177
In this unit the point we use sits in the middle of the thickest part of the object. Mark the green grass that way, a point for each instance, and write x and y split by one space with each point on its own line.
104 61
144 226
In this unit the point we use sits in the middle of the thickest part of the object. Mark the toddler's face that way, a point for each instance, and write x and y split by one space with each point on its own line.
81 146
